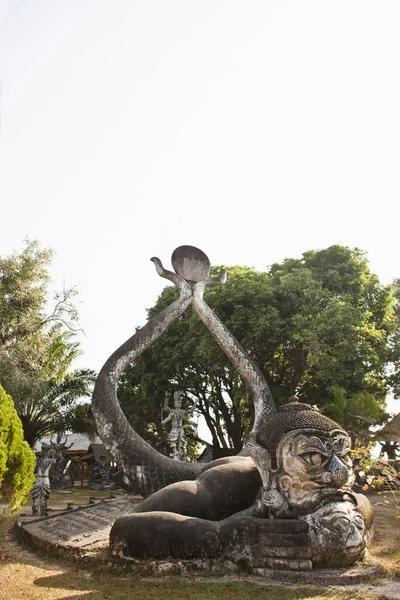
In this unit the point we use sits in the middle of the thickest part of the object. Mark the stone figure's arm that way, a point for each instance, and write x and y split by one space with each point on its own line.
166 420
247 541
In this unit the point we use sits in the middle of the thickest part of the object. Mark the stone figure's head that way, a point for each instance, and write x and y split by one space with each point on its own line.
305 457
45 449
338 534
177 400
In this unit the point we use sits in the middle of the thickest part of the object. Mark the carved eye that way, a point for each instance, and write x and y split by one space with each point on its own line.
314 459
359 522
342 523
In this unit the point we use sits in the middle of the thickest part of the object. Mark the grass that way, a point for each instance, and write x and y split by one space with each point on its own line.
26 575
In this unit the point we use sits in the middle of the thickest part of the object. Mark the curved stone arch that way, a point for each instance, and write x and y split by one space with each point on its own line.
146 468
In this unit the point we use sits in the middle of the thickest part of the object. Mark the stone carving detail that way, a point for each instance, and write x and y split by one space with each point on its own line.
41 488
286 502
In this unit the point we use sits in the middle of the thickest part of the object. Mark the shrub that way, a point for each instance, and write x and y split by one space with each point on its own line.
17 461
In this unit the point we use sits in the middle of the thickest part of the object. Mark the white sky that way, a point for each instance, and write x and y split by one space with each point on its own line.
253 129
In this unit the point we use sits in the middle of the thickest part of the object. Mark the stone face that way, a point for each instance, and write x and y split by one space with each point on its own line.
338 534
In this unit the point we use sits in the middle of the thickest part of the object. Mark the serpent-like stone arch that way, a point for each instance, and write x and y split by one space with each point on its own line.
147 469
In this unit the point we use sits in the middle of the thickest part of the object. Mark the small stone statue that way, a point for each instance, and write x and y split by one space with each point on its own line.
390 449
41 487
178 417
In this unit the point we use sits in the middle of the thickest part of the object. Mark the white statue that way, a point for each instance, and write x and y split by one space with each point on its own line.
177 416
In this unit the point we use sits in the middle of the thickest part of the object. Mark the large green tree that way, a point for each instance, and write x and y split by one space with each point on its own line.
38 345
313 325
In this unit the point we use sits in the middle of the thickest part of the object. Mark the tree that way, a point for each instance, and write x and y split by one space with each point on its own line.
39 341
38 345
394 343
310 324
17 461
51 406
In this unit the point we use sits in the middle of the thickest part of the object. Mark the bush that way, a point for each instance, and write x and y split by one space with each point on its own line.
17 461
377 473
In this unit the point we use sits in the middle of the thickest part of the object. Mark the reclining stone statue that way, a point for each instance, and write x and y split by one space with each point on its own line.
285 502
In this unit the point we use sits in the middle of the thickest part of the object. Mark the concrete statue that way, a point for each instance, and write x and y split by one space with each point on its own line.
41 488
58 480
177 416
285 502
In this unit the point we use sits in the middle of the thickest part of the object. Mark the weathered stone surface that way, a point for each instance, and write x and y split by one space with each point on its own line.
190 263
79 528
247 541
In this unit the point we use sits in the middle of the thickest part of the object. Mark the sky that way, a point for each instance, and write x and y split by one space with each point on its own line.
253 129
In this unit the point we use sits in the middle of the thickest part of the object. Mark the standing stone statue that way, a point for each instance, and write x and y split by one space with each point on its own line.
177 416
41 487
57 474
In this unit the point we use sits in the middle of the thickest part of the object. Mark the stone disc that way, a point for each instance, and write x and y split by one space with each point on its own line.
190 263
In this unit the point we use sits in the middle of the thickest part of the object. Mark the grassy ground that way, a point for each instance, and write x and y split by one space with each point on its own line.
26 575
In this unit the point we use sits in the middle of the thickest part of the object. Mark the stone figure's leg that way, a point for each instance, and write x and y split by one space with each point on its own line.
163 534
35 500
173 451
247 541
216 494
44 496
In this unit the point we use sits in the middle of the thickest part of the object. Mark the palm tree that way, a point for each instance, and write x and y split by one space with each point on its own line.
54 407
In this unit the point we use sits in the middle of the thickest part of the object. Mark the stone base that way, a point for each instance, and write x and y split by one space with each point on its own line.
334 577
75 531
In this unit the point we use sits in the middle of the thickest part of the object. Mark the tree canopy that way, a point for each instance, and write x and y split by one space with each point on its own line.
38 345
321 326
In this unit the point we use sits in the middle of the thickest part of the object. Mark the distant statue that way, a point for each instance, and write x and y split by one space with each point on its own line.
57 475
177 416
41 487
101 475
390 450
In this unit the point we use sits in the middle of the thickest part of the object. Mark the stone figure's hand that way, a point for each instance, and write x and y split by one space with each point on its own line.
182 285
264 543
